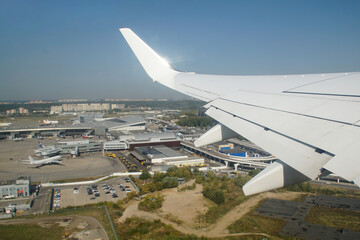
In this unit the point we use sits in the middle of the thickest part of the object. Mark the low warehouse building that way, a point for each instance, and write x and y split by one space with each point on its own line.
15 188
162 155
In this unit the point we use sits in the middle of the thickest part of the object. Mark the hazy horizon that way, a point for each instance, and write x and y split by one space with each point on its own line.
73 49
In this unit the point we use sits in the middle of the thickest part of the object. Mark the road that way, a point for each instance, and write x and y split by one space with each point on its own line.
41 202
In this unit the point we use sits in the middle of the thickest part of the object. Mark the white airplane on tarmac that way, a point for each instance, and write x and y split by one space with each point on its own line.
42 162
4 124
310 122
48 122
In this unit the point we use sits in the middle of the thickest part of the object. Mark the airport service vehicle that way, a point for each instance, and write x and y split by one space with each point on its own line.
46 161
310 122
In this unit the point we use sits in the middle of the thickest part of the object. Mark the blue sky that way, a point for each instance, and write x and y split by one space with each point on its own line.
73 49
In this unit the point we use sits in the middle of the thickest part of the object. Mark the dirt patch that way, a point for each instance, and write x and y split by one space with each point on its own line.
83 225
185 206
92 229
65 222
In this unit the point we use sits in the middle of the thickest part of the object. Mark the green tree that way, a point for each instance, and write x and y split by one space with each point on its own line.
145 175
170 182
254 172
158 177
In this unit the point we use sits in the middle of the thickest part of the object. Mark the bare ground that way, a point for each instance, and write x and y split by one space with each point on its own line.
80 227
186 205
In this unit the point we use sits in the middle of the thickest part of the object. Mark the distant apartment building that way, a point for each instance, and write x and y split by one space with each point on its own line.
117 106
85 107
56 109
23 110
72 100
20 110
11 112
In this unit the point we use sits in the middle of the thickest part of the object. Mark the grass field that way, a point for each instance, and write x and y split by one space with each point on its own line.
30 232
95 211
258 224
252 223
138 229
334 217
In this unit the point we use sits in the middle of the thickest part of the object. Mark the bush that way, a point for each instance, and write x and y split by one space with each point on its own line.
119 213
190 187
215 195
145 175
170 182
151 202
199 179
240 181
158 177
254 172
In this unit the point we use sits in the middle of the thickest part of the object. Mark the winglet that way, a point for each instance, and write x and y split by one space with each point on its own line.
155 66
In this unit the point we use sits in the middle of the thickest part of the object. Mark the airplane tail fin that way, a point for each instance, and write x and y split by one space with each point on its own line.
155 66
31 159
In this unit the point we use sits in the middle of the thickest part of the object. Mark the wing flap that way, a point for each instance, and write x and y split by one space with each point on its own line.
347 163
294 153
316 132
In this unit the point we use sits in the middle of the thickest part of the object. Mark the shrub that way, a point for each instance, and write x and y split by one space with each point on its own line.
145 175
119 213
215 195
190 187
151 202
170 182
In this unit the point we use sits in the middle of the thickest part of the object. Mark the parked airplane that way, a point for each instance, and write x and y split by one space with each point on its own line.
4 124
48 122
42 162
310 122
17 139
47 150
86 136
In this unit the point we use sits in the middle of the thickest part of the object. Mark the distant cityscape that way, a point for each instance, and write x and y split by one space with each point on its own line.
86 100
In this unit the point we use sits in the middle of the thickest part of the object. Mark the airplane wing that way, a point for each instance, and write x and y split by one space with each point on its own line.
310 122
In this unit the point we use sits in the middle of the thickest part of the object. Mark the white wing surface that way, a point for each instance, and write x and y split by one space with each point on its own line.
310 122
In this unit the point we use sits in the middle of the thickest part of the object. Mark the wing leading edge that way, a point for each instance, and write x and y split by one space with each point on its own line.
310 122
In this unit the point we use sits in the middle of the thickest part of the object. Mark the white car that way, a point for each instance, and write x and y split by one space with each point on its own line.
76 191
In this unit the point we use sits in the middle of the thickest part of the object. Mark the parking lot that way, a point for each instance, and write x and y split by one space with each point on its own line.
111 190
